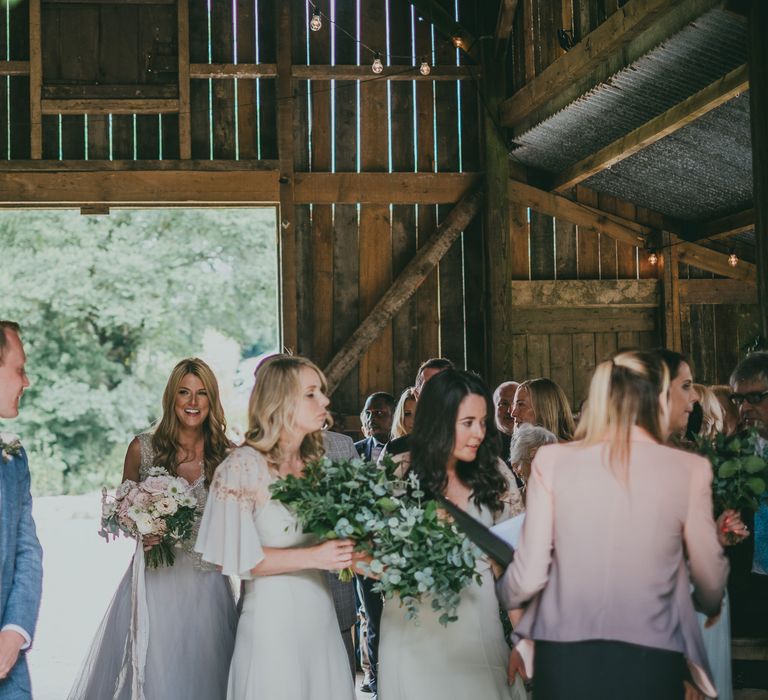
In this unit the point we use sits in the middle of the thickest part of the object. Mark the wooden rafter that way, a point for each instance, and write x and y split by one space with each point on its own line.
721 228
629 33
406 284
621 229
712 96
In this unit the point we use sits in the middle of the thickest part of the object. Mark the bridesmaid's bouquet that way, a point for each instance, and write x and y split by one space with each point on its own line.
421 553
161 505
343 499
740 476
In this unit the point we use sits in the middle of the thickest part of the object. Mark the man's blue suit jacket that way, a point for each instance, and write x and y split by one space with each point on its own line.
21 565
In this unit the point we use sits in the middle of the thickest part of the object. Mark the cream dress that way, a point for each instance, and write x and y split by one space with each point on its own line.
422 660
288 641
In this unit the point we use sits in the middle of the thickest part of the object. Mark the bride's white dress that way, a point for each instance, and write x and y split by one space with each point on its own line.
168 633
288 641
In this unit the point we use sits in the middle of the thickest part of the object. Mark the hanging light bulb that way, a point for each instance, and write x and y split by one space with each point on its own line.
316 23
425 68
733 259
653 258
458 41
377 66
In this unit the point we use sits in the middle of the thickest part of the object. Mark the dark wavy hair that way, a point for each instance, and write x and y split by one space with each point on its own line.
433 437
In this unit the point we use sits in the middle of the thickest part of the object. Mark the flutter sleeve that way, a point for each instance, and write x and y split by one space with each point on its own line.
228 534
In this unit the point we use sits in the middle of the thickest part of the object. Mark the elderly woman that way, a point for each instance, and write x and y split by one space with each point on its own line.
525 443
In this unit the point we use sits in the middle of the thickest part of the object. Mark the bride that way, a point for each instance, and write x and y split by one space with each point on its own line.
169 632
288 641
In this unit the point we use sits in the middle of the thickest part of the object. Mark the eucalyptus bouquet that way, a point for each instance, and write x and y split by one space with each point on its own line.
421 553
740 470
337 500
160 505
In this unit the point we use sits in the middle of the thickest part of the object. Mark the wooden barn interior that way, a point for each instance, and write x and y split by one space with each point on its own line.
522 186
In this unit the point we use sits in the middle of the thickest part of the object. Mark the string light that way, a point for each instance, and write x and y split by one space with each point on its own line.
733 259
377 66
653 258
458 41
316 23
424 68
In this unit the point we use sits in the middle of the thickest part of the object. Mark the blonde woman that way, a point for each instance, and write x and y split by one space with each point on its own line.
617 526
712 412
542 402
722 392
405 410
288 640
169 632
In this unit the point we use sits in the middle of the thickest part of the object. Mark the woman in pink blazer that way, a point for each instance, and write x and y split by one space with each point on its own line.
618 526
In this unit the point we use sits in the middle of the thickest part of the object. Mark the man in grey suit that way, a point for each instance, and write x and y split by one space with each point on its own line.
338 446
21 569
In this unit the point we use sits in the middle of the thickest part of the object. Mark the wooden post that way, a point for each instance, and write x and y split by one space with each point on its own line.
185 115
758 97
403 288
287 214
35 81
670 275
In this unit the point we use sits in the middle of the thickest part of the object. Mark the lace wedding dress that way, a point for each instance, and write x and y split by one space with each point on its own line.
168 633
288 640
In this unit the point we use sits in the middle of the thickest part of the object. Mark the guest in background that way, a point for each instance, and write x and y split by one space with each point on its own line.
542 402
730 412
503 402
711 412
376 419
614 616
525 443
405 410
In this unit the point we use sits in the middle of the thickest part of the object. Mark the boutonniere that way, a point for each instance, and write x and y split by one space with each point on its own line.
10 446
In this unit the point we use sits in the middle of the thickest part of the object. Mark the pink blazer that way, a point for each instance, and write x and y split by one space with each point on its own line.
616 561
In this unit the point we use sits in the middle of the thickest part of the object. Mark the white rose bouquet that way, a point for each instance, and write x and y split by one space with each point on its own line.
161 505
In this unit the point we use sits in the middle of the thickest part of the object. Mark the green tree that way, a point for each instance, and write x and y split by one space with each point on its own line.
108 304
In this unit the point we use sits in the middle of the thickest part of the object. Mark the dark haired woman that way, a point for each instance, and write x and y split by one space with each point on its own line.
169 632
454 452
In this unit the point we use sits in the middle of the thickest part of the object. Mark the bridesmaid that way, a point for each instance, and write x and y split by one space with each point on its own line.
288 643
454 452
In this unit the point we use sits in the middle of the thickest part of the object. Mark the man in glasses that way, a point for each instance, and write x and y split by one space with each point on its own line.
749 561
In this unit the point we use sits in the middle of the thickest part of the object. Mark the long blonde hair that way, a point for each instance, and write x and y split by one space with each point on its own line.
398 417
165 438
272 407
626 391
550 406
713 415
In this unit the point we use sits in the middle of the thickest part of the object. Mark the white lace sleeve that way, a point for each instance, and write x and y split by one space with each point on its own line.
228 535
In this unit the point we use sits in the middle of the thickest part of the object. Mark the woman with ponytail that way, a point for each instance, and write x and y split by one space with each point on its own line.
618 527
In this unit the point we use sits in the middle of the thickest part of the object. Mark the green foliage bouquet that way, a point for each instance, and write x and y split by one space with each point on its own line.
419 553
341 499
740 470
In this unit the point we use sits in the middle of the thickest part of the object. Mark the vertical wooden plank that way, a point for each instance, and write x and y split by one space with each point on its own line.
148 137
98 137
585 356
561 360
538 356
185 102
530 38
72 137
588 243
475 285
246 89
626 254
627 340
266 88
20 117
605 346
608 262
565 250
519 232
542 246
686 333
672 333
170 133
223 92
122 137
519 358
35 81
50 132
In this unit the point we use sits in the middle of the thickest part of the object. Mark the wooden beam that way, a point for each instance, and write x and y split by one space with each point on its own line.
585 217
605 319
629 33
382 188
114 92
758 109
107 105
137 188
406 284
712 96
14 68
703 291
713 261
75 166
185 109
584 293
219 71
35 80
721 228
507 9
364 73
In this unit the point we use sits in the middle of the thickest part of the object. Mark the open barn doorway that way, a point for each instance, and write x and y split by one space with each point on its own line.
108 305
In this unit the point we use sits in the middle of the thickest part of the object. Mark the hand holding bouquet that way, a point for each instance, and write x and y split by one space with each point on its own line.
160 506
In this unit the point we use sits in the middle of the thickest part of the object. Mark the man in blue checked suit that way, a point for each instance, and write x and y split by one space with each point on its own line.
21 568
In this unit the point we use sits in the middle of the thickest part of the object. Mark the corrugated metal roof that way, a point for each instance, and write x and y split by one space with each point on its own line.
701 170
